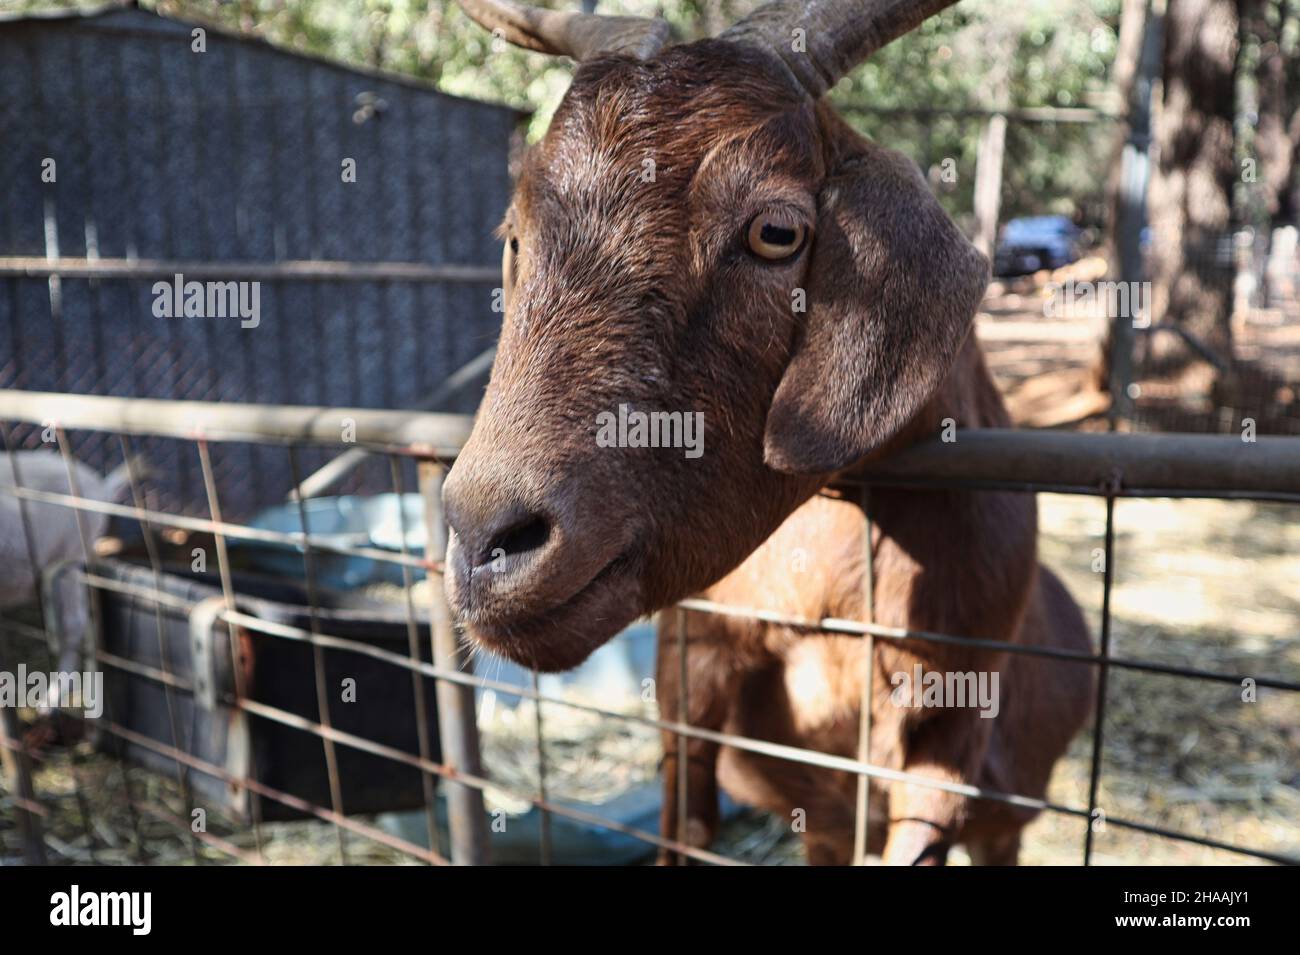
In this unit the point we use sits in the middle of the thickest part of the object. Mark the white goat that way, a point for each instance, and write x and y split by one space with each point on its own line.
55 538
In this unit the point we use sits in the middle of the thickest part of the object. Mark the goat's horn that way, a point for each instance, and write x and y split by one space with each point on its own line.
579 35
837 34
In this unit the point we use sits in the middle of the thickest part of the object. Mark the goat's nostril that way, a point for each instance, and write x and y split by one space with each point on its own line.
490 529
525 535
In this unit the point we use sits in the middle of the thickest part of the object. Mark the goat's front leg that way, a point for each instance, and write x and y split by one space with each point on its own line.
707 706
948 747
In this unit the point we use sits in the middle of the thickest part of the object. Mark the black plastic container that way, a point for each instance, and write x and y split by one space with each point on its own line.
280 673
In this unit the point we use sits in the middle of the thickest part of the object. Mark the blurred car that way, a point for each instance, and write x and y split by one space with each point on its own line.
1036 242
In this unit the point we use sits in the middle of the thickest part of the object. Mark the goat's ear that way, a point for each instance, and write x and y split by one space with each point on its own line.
891 291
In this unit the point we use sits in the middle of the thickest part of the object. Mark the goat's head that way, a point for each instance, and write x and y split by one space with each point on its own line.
696 234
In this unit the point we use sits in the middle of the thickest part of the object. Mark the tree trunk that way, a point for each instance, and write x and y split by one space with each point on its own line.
1128 193
1273 26
1192 184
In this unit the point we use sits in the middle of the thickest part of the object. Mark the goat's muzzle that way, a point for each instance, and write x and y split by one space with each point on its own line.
530 573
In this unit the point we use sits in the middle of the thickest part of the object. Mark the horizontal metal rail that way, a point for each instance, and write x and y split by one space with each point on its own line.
298 270
1182 465
860 629
295 539
419 433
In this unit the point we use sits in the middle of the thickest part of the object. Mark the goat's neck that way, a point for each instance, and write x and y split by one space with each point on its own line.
946 532
968 397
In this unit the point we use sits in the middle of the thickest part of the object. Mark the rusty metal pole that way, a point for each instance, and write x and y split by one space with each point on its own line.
1131 217
457 725
862 818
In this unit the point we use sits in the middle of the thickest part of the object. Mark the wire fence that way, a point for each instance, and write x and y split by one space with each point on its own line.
236 649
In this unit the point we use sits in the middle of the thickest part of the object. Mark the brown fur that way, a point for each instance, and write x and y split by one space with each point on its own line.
945 561
628 291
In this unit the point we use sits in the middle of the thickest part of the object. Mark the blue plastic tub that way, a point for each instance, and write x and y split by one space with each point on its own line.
377 521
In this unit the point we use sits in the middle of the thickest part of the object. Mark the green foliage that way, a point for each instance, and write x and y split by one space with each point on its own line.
981 54
984 55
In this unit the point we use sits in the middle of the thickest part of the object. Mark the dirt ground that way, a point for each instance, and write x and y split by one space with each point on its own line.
1200 583
1043 347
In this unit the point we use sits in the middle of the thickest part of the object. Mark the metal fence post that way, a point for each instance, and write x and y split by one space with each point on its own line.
1131 216
17 766
457 725
862 818
1103 672
988 183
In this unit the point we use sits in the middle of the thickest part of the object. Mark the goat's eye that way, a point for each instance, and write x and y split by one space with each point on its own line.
774 237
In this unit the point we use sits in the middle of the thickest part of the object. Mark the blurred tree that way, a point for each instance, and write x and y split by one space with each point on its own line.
1271 29
1051 53
1046 53
982 55
1193 180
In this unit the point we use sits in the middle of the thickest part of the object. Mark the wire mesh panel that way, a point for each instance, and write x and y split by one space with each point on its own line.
229 694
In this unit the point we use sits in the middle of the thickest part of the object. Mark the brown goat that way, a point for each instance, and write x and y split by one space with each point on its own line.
698 232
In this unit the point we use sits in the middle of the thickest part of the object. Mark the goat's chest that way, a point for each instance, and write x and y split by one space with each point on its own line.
821 680
806 687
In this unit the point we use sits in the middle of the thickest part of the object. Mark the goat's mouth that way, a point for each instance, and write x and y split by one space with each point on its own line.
564 635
